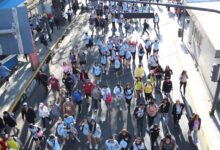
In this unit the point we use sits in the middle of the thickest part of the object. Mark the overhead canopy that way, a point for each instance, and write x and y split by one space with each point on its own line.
10 3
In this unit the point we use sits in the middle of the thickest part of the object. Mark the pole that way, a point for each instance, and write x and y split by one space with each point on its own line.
215 100
45 19
184 18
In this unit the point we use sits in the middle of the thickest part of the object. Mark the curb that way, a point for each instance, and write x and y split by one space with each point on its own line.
18 99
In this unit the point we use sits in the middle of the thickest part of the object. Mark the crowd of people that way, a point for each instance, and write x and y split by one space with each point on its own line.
81 88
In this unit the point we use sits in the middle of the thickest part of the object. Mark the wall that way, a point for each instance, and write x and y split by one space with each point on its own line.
203 52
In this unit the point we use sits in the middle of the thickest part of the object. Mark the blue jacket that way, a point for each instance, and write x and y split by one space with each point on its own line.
4 71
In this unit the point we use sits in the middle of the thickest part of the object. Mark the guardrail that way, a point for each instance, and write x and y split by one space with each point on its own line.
51 51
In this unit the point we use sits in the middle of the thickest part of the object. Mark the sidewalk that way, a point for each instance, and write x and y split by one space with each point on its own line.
24 73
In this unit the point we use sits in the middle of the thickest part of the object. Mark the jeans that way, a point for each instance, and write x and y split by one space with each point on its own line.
195 136
140 123
44 121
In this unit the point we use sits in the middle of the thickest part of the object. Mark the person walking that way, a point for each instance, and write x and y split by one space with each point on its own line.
106 96
10 121
119 95
138 144
148 89
77 97
5 73
94 134
154 134
138 88
87 88
124 139
37 134
156 21
44 114
148 47
152 110
112 144
167 143
69 107
128 92
53 143
140 52
167 86
55 110
96 97
168 72
164 108
183 81
194 125
97 71
177 112
139 112
28 113
145 28
54 85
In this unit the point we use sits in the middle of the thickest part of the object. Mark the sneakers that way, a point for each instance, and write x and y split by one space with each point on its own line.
90 146
96 146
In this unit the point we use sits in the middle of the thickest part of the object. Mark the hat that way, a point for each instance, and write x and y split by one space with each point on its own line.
25 104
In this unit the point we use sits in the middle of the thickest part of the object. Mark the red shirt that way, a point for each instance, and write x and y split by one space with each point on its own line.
3 145
54 83
87 87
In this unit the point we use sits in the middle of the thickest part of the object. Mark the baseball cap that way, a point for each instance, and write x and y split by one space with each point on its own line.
25 104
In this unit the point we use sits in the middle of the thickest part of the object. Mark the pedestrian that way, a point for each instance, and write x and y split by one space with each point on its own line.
43 39
138 88
69 107
167 143
145 28
112 144
153 61
183 81
82 58
124 139
72 57
194 125
51 24
156 21
67 121
66 68
139 72
117 65
156 46
43 79
167 86
87 41
10 121
14 143
54 85
128 92
140 52
69 15
138 144
84 76
106 96
119 95
158 71
44 114
133 46
164 108
168 72
177 112
37 135
94 134
154 134
57 22
96 97
97 71
55 110
77 97
60 130
3 144
68 82
87 88
28 113
5 73
152 110
128 56
139 113
91 23
104 62
53 143
148 47
148 90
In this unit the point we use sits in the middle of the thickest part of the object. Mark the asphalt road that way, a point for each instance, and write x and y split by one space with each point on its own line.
111 123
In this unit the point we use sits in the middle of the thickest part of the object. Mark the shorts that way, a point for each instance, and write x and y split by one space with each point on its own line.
98 76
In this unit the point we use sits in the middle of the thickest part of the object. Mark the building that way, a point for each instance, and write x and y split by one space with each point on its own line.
203 41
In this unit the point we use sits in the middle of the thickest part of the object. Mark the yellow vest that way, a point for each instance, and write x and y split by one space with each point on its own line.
148 88
138 85
139 72
11 143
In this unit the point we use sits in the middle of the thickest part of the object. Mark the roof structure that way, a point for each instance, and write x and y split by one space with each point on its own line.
10 3
208 21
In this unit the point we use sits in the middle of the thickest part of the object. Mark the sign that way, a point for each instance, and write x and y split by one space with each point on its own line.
15 31
136 15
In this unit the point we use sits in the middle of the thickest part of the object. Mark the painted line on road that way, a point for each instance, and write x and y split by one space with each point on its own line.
193 103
